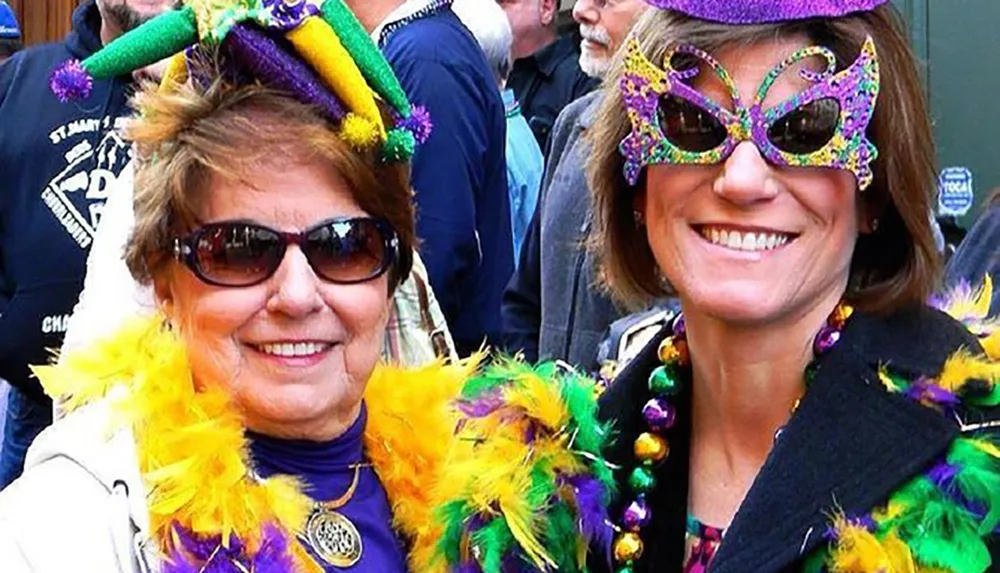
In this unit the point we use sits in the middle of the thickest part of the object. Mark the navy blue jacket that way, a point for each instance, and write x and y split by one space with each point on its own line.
460 173
57 163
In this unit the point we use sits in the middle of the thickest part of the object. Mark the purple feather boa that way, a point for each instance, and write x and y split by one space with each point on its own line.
195 554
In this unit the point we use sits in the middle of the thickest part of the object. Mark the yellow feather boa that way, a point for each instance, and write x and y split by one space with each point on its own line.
193 454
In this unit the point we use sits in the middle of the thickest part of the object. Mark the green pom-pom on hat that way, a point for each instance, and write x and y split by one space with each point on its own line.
399 145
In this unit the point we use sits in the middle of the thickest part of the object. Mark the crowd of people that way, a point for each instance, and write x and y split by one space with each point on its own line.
427 285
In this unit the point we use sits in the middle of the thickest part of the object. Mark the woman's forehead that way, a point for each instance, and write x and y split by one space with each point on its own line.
748 64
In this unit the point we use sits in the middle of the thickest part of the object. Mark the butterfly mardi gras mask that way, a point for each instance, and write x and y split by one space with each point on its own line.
822 126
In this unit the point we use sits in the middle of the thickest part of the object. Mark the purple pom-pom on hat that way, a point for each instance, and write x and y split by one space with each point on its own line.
419 123
70 81
765 11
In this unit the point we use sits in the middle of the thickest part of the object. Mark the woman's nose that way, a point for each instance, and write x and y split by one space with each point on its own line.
295 290
746 177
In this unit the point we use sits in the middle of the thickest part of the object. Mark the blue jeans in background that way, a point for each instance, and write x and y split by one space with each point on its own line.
26 418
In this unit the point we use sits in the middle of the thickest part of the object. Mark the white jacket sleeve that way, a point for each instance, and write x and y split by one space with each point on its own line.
57 518
110 294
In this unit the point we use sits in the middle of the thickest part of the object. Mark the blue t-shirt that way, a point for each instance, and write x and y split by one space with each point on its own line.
524 170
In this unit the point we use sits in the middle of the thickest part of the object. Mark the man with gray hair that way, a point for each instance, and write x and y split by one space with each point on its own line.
486 20
546 75
552 308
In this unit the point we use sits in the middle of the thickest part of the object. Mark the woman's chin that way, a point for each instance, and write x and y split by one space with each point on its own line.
290 408
738 304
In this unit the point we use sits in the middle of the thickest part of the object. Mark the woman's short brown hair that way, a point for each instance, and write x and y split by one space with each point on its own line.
893 266
186 137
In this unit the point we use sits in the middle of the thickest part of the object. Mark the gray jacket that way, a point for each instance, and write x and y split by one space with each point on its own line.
552 308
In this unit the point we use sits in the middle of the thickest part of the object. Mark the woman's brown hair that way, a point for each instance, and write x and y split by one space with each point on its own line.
189 136
893 266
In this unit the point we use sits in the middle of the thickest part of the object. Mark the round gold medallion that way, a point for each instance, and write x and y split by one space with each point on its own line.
334 538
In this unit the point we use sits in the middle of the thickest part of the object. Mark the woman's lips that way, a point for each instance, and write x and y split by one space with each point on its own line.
746 239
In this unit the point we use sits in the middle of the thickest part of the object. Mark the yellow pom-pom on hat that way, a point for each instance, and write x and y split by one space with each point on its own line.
359 132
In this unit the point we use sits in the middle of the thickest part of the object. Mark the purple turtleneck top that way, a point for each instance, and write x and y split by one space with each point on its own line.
325 469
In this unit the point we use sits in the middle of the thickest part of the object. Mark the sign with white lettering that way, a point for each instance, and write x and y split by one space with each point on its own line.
955 192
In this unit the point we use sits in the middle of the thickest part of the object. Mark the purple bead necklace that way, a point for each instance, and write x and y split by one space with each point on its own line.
651 447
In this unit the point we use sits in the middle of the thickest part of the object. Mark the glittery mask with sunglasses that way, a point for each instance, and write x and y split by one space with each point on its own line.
821 126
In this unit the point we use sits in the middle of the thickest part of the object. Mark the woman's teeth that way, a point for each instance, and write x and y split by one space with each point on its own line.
745 241
293 349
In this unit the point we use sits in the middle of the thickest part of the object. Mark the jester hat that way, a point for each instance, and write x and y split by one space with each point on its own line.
316 50
740 12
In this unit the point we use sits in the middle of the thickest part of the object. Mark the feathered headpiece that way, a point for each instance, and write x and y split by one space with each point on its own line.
315 50
765 11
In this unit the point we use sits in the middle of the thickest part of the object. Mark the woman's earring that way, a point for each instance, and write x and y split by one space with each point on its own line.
874 224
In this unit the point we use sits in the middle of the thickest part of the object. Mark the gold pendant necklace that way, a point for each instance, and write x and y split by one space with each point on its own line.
329 533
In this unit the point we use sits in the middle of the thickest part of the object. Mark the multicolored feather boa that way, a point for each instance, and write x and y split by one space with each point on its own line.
935 523
206 512
513 468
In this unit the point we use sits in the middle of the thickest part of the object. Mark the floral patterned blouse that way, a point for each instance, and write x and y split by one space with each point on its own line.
701 543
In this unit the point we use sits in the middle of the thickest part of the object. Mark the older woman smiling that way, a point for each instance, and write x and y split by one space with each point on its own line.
245 427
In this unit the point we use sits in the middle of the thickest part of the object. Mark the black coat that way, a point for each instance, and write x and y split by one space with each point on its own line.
849 446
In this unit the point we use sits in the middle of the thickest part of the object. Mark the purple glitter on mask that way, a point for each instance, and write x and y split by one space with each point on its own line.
854 91
764 11
271 64
289 14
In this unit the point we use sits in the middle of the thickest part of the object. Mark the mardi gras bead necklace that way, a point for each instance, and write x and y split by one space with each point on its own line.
330 534
651 447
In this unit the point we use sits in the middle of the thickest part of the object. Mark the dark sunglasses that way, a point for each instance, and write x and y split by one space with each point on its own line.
806 129
345 250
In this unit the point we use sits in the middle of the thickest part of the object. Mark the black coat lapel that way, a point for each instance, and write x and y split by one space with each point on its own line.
849 446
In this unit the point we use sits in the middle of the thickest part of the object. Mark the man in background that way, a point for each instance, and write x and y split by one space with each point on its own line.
459 175
546 76
553 308
57 163
486 20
